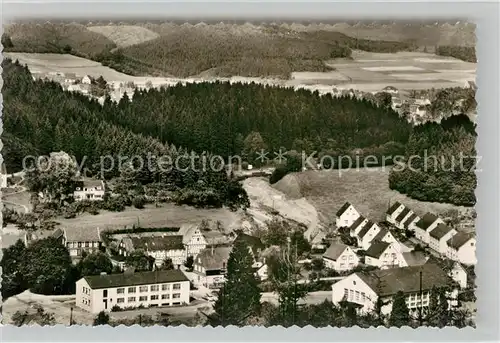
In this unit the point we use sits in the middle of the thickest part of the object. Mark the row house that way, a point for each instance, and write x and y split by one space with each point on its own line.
439 236
425 225
357 226
158 247
130 290
340 257
367 234
389 255
462 248
80 241
346 215
365 289
400 216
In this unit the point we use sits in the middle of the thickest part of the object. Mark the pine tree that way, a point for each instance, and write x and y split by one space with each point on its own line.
400 314
239 297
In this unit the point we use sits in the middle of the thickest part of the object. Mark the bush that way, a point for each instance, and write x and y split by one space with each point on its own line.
116 308
139 202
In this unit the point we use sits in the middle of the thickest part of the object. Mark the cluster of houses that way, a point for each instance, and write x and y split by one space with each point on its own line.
397 266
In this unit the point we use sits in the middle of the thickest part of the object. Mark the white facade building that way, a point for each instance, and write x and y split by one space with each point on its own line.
89 189
158 247
459 275
86 80
364 289
356 227
210 265
439 237
346 215
130 290
384 255
340 257
367 234
78 241
425 225
462 248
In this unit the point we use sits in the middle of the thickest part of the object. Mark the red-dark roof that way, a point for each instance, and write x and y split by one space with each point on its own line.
343 209
440 231
458 240
402 215
427 220
393 208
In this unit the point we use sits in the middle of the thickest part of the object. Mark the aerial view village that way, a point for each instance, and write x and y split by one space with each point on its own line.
254 174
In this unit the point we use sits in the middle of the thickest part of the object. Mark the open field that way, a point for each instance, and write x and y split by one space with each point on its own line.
125 35
168 215
367 189
368 72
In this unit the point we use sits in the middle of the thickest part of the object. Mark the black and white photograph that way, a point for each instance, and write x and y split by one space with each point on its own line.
238 171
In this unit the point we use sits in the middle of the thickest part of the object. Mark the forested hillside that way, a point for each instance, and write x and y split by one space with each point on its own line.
445 177
464 53
39 118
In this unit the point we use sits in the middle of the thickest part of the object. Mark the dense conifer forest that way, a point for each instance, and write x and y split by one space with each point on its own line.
445 179
464 53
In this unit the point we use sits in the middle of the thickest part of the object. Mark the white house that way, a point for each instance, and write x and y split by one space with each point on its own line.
391 90
364 289
356 227
459 274
86 80
89 189
78 241
409 222
425 225
340 257
129 290
393 211
439 236
383 255
210 265
158 247
462 248
261 272
197 237
346 215
367 234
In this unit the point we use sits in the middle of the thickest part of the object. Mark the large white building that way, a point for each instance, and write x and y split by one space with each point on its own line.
384 255
210 266
439 236
346 215
364 289
425 225
129 290
197 237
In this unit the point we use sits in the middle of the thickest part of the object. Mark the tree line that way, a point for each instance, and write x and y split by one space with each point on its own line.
464 53
443 178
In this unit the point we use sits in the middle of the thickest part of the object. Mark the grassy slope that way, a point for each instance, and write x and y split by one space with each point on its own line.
367 189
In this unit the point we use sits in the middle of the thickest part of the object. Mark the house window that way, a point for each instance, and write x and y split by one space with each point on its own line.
154 297
344 258
363 296
346 293
176 295
120 290
86 244
143 289
131 289
105 293
165 287
342 265
357 296
155 288
144 298
79 244
165 296
120 300
351 294
177 286
131 299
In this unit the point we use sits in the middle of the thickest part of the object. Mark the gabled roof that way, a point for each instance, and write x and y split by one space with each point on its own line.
334 251
458 240
82 235
440 231
380 235
253 242
158 243
388 282
135 279
365 229
402 215
357 223
393 208
409 220
427 220
415 258
214 258
376 249
343 209
390 88
89 183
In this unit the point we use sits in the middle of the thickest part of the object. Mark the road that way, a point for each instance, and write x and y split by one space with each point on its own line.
312 298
